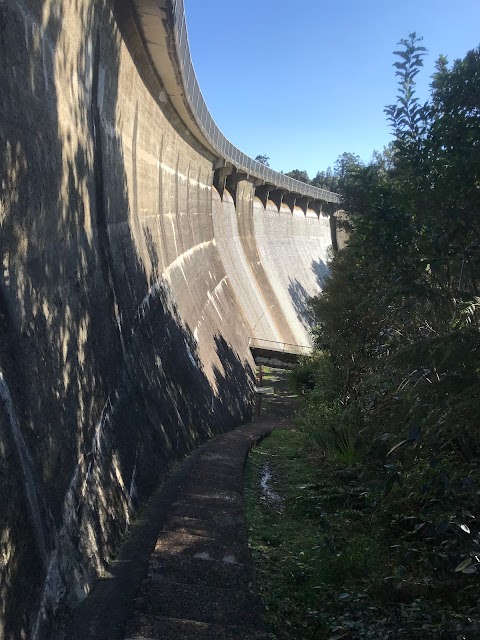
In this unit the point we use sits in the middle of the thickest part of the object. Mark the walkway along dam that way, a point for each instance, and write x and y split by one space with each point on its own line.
141 251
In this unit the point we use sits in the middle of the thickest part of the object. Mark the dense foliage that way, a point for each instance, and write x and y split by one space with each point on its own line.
331 179
395 384
401 306
263 159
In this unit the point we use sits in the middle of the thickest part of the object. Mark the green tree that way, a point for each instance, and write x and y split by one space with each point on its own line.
345 163
333 179
402 300
399 321
299 174
325 180
263 160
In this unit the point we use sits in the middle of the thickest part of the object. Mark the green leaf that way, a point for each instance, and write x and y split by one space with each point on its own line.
397 446
463 565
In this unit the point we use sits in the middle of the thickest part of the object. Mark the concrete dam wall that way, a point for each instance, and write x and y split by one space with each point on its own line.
128 294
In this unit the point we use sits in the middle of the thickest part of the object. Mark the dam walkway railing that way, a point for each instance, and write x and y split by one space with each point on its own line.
224 148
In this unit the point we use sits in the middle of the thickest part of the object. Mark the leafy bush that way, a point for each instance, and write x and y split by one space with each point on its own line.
392 395
331 423
399 315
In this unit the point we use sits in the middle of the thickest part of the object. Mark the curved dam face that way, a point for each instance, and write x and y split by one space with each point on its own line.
128 295
294 250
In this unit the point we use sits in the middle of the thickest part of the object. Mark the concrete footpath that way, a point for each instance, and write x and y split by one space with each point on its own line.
185 573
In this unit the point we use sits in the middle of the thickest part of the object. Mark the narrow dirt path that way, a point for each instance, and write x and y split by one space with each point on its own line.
199 582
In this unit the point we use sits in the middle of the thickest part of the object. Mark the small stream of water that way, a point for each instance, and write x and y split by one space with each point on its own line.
271 497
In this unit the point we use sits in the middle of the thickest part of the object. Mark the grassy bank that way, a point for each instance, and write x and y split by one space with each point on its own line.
334 561
311 543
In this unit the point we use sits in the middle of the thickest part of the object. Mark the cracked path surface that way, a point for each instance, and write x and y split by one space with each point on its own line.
198 583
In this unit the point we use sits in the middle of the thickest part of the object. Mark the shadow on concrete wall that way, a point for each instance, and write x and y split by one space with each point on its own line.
300 297
320 270
101 383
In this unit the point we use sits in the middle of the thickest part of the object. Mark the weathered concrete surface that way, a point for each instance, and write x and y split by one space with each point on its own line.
245 197
293 249
275 260
186 570
124 324
240 273
122 344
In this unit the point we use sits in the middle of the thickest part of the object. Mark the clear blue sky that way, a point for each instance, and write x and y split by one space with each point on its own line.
304 81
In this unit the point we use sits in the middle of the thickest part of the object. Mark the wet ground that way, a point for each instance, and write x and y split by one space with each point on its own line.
272 499
282 402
